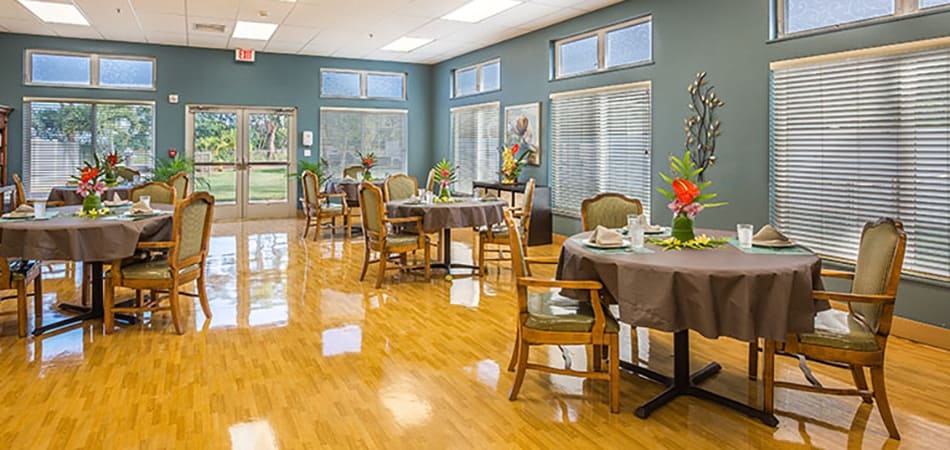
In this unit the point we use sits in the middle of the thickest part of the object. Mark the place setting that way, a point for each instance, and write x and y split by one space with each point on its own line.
26 212
767 241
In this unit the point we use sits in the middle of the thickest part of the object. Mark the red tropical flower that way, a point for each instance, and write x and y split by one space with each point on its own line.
514 149
445 173
685 190
112 159
89 173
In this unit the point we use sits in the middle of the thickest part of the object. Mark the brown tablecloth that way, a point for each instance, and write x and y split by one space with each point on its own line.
437 216
68 195
717 292
349 187
68 237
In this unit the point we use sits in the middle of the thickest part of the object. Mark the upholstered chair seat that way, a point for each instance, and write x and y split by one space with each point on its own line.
157 269
849 334
549 311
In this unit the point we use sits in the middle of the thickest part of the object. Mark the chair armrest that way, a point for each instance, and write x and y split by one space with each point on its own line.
541 259
338 195
563 284
156 244
852 298
837 274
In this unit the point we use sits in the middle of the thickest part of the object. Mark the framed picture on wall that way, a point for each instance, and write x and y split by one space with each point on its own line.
523 127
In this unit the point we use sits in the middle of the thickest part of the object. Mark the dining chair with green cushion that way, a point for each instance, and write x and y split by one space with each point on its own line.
400 187
127 173
353 172
21 195
548 318
608 209
378 237
430 181
859 337
183 261
17 274
497 234
180 182
320 211
159 192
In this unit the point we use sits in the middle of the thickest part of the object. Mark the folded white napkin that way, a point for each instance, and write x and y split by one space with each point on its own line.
414 199
645 223
116 198
832 321
23 210
770 236
140 208
605 236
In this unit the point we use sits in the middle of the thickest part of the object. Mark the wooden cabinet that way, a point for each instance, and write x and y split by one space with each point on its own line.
5 112
541 223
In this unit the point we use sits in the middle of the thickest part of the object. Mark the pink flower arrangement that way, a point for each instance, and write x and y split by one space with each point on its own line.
691 210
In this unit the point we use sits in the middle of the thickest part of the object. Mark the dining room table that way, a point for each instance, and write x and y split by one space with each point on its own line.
461 212
727 291
350 187
68 195
64 235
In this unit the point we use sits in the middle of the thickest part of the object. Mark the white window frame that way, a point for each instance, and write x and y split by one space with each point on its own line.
93 69
601 34
364 74
479 82
902 9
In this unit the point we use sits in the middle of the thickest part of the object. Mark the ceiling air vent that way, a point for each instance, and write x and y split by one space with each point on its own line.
210 27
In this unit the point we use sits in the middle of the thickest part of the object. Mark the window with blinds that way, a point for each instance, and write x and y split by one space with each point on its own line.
601 142
345 131
60 134
475 141
862 137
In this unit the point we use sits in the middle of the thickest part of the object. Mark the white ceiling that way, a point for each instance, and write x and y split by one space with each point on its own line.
342 28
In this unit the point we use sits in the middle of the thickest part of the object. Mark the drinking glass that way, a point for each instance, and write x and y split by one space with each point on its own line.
744 230
39 209
635 230
147 200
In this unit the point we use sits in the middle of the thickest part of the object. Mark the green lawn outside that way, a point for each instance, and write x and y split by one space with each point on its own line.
265 184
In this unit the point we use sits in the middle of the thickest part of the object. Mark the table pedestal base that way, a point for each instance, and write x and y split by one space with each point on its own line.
87 313
446 264
684 383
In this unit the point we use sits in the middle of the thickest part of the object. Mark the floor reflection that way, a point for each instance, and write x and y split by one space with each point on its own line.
256 435
345 339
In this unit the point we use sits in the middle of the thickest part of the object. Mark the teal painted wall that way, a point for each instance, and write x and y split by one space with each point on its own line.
729 40
207 76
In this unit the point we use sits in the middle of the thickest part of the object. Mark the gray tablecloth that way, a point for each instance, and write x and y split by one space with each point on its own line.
68 237
717 292
68 195
349 187
437 216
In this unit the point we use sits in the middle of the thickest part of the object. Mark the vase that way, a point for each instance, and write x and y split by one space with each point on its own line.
367 175
507 179
445 193
92 202
683 228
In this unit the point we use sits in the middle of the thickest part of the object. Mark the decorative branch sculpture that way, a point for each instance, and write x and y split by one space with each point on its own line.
702 126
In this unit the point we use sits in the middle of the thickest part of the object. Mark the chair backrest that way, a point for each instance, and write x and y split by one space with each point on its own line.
353 172
399 187
518 264
609 209
527 202
160 193
192 229
20 193
179 181
371 208
310 191
878 271
430 181
126 173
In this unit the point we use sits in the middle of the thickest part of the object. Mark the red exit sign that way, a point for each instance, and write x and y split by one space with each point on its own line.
244 55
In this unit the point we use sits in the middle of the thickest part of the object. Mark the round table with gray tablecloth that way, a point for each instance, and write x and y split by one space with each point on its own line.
69 196
465 213
726 291
349 187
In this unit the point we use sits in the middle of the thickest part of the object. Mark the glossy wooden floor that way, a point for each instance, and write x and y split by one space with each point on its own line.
299 354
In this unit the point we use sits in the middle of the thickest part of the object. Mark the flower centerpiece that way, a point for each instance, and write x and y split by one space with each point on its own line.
444 174
90 185
368 161
110 169
512 163
687 201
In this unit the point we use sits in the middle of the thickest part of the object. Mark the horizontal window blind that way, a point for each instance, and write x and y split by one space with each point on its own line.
345 131
602 142
475 141
861 138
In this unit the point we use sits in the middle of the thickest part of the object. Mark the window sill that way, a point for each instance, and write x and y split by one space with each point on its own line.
599 72
456 97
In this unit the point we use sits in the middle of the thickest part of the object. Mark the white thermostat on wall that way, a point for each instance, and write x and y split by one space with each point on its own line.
173 98
307 138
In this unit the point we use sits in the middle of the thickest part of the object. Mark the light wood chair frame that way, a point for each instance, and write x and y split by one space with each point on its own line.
21 195
376 241
854 360
316 214
586 225
170 285
597 338
393 178
487 237
354 172
134 193
35 276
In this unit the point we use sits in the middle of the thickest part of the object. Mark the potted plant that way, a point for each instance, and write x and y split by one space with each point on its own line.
444 175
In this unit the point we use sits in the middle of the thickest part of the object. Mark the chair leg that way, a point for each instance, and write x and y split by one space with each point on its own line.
614 362
514 351
382 269
176 311
108 301
597 358
481 254
365 259
38 300
86 284
427 261
203 296
306 228
753 359
21 307
857 372
519 375
880 395
768 377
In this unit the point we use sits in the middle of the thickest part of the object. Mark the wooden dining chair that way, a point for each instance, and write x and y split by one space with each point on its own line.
378 238
320 211
400 187
548 318
127 173
184 262
353 172
160 192
21 195
180 182
18 274
861 339
608 209
497 234
430 181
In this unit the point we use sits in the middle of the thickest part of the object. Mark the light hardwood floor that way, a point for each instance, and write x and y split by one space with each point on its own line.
299 354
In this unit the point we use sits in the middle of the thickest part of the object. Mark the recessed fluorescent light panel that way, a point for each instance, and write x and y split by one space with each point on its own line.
406 44
479 10
259 31
56 12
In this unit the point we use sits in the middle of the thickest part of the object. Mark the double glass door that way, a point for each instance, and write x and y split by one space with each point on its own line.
243 156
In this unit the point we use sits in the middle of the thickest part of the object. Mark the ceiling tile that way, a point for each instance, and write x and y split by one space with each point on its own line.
221 9
208 40
11 9
290 33
159 37
27 26
283 47
521 14
75 31
270 11
176 7
434 8
114 34
247 43
165 23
